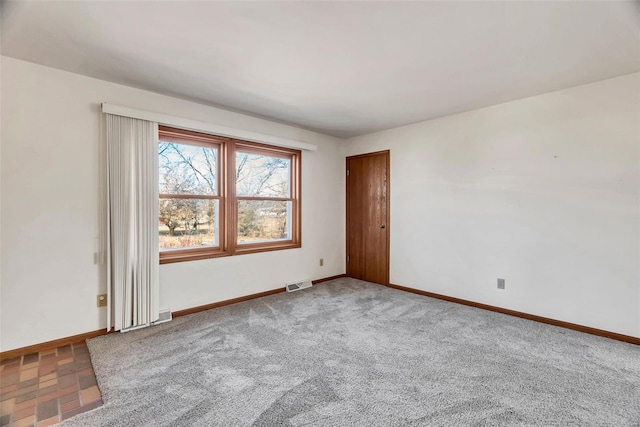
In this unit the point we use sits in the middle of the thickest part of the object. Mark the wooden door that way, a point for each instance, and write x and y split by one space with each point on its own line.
368 217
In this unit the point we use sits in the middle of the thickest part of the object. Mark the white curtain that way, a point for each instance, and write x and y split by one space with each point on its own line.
132 264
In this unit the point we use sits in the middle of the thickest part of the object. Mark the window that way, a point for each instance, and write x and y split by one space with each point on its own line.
222 196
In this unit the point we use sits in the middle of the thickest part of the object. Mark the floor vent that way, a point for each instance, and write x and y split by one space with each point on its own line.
165 316
297 286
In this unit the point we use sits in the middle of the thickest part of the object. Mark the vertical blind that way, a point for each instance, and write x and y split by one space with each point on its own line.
132 180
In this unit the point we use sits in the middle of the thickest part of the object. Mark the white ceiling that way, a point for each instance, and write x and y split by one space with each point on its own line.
339 68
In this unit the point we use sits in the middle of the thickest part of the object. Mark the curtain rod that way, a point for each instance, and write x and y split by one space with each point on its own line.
198 126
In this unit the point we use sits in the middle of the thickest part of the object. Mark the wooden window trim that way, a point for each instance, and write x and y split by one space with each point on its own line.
202 140
229 201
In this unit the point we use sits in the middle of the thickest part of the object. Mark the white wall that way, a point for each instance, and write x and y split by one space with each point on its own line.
51 150
543 192
0 184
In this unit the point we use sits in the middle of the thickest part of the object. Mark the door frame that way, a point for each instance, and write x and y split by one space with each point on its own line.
387 154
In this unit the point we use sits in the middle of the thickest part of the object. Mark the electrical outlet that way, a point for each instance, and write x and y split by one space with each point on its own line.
102 300
321 262
500 283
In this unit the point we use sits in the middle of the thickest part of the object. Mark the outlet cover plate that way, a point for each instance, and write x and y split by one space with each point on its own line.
102 300
500 283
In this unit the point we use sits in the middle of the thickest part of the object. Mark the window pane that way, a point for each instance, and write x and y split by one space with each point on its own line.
187 169
262 176
188 223
263 220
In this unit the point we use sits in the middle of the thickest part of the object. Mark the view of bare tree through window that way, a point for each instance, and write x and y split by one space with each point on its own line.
262 182
221 196
189 174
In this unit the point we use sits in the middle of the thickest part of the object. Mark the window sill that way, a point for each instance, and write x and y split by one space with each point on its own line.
252 248
169 257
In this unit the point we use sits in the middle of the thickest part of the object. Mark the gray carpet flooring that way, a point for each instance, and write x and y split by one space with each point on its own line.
351 353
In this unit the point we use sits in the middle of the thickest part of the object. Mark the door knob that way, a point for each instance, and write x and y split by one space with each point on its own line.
382 226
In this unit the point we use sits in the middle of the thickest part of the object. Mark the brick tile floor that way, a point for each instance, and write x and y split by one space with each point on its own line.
42 389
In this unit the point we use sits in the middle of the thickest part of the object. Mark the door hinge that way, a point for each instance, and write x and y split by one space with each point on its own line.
347 172
347 258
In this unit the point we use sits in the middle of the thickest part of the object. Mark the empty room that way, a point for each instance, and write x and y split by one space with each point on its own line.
320 213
